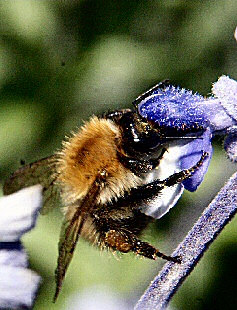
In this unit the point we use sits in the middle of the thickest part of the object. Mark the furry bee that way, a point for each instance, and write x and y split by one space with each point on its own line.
108 177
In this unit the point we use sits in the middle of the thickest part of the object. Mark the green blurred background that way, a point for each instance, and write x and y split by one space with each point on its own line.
62 61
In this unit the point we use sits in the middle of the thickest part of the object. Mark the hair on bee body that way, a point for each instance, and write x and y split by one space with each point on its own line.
103 177
90 153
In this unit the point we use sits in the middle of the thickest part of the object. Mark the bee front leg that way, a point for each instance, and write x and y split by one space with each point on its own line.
150 190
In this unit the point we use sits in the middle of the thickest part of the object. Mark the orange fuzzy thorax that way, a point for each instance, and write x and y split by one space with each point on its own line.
90 152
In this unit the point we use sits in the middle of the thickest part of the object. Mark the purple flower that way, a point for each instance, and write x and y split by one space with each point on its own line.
218 117
225 90
190 121
18 212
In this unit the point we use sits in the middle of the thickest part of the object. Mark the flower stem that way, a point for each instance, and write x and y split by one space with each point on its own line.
214 218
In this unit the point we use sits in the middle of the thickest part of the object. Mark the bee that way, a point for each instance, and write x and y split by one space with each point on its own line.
107 179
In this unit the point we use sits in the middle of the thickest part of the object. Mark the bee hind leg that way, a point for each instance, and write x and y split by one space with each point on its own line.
125 242
147 250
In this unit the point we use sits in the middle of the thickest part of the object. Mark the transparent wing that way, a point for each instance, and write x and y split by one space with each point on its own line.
70 232
40 172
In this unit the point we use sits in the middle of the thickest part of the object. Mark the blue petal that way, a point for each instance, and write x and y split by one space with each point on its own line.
230 144
180 109
18 212
191 154
225 89
175 108
18 284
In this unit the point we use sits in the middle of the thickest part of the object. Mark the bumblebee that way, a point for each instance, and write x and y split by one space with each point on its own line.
107 179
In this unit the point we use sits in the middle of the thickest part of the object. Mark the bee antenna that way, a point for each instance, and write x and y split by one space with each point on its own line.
146 94
190 137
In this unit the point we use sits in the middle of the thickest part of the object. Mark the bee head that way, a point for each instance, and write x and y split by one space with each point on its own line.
138 136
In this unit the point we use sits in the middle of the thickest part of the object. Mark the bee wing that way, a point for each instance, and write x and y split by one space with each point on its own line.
39 172
70 232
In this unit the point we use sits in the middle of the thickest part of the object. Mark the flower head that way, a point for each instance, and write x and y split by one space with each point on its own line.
225 91
191 120
174 107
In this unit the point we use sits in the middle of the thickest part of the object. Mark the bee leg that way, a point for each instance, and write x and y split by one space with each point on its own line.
148 191
147 250
141 166
119 229
118 240
125 242
184 174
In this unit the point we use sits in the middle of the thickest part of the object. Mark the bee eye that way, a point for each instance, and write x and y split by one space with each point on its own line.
138 136
149 140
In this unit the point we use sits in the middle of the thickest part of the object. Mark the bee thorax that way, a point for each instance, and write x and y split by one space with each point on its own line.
90 157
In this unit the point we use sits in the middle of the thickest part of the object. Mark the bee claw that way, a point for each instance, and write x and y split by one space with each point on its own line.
177 259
